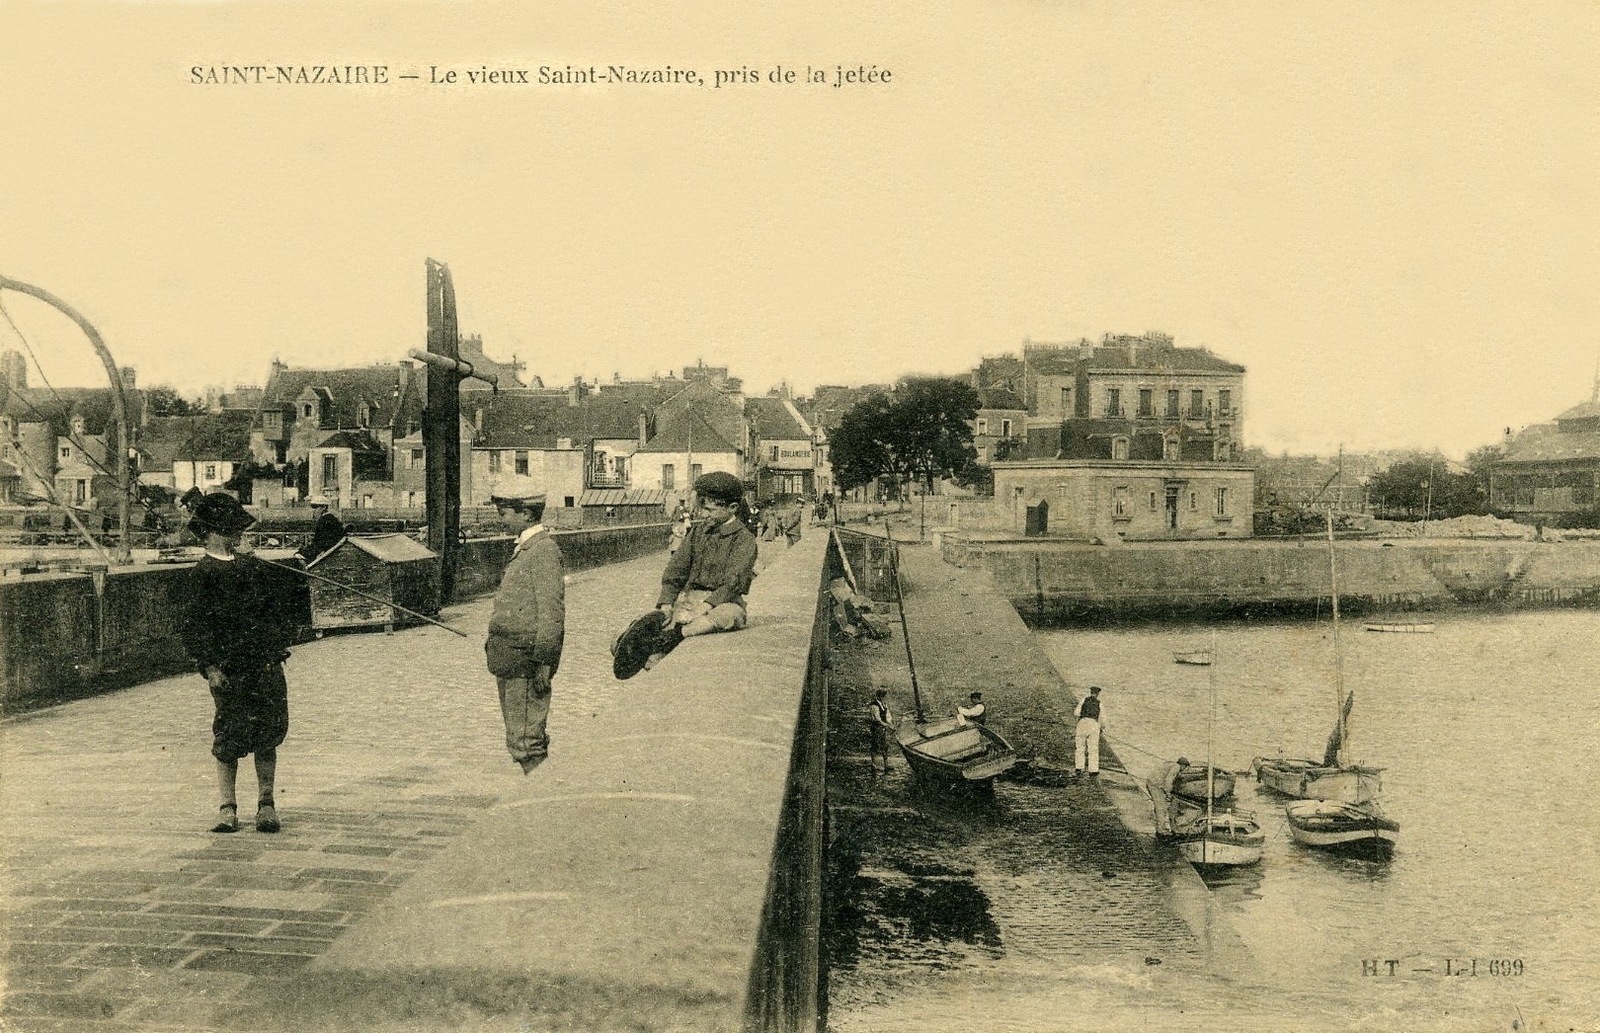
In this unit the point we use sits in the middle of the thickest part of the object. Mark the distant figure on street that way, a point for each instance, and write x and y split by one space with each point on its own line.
681 520
528 625
1091 721
704 585
237 628
789 521
973 712
328 532
880 722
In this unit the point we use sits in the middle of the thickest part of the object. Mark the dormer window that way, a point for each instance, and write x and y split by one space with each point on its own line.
77 425
307 409
1119 448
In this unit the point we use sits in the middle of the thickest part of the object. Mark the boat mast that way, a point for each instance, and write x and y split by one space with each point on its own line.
1211 728
1338 664
905 630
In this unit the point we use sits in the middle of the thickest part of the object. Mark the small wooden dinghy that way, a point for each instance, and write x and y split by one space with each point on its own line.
952 752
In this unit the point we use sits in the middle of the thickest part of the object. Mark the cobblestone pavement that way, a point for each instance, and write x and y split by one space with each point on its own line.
124 913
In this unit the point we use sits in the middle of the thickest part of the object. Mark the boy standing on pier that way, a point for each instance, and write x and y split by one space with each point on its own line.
237 628
528 626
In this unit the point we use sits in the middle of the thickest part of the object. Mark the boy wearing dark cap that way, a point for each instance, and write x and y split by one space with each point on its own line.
704 586
528 626
237 626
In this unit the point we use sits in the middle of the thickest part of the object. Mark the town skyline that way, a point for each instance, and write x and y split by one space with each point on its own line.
194 391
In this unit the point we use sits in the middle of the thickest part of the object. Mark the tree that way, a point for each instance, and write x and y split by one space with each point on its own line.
922 434
164 400
1426 487
1480 464
856 447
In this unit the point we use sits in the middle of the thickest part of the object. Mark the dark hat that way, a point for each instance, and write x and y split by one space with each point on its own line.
1094 690
977 695
881 692
724 487
219 513
190 497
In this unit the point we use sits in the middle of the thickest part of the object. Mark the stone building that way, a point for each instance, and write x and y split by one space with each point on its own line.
1131 438
1551 471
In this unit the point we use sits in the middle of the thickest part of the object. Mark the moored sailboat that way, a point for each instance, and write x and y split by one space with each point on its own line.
1213 837
1335 777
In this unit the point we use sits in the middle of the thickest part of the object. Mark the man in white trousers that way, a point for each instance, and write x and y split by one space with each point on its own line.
1091 720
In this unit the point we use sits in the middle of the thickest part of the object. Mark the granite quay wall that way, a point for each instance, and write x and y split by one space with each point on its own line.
786 972
1050 582
68 635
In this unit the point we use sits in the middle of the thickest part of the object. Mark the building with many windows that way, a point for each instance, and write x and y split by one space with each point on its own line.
785 449
1131 438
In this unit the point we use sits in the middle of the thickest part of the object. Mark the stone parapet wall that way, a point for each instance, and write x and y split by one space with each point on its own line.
1047 580
68 635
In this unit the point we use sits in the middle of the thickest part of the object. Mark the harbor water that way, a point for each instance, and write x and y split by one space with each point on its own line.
982 914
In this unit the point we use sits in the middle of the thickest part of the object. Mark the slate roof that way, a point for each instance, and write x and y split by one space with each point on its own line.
773 420
999 398
689 431
55 407
710 408
1146 353
471 351
391 391
355 440
1546 443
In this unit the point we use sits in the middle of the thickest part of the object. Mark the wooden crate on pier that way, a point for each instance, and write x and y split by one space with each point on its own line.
391 567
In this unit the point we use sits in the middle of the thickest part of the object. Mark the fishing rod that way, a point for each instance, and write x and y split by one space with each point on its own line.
367 595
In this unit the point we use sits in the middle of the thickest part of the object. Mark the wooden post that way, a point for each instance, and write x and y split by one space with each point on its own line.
441 434
441 424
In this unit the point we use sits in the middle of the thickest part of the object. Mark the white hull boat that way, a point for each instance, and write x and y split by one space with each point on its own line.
1221 838
1402 628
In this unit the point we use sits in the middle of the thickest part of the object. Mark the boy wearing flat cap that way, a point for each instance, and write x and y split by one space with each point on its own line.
528 625
237 626
704 586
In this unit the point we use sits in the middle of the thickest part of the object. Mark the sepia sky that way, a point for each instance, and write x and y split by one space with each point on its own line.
1387 213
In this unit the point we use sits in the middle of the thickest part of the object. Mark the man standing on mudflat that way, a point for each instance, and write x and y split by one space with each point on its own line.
528 625
704 586
237 626
1091 722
